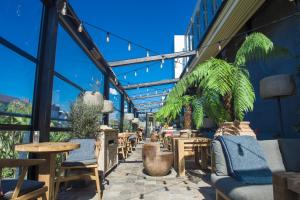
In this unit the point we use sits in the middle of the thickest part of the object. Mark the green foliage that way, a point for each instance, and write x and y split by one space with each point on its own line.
8 139
84 119
226 92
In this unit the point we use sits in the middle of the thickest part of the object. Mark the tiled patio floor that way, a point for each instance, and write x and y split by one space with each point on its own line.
128 182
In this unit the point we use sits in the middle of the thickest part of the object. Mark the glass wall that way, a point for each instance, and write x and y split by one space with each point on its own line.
200 21
19 27
115 97
79 72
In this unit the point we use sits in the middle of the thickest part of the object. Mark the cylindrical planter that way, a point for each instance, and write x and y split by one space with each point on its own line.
277 86
108 107
93 98
135 121
235 128
128 116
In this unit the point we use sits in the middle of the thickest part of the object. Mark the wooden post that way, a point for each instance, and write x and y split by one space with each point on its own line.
181 160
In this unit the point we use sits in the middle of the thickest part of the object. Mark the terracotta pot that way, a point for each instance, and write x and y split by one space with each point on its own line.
235 128
156 163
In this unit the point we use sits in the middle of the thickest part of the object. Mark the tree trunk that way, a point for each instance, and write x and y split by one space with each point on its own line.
188 117
228 104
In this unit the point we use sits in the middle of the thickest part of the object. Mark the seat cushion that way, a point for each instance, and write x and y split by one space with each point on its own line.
8 186
73 163
272 155
290 149
236 190
85 152
219 158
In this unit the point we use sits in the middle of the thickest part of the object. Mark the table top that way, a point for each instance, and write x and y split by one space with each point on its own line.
191 139
47 147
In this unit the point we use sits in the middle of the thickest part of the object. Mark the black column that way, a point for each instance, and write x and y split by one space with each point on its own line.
106 96
41 111
122 112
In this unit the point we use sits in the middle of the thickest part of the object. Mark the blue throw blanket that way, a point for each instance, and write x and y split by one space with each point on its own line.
245 159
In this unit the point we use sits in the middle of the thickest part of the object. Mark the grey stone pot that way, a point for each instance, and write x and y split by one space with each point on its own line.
277 86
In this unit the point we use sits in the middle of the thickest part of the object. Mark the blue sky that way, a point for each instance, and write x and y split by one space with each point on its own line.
149 23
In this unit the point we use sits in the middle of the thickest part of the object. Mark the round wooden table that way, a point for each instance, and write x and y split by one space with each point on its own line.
47 151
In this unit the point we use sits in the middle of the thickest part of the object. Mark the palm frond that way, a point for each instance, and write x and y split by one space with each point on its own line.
256 46
243 94
198 112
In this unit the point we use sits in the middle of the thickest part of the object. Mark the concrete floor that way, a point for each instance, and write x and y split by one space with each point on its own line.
129 182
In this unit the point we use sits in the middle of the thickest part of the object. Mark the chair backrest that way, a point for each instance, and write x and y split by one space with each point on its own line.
85 152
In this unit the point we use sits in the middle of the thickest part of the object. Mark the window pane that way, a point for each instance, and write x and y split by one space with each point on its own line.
74 64
20 23
16 86
115 97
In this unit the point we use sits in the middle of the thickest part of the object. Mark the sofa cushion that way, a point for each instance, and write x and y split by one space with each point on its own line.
219 158
290 149
236 190
272 155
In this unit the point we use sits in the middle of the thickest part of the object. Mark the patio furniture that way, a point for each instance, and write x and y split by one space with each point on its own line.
122 148
20 189
108 155
282 156
84 158
47 151
156 163
182 147
286 185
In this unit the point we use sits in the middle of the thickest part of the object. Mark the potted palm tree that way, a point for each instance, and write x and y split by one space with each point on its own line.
224 92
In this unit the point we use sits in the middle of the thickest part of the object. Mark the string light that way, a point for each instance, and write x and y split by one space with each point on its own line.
147 69
80 27
125 77
161 65
148 53
64 9
129 46
219 46
107 37
135 73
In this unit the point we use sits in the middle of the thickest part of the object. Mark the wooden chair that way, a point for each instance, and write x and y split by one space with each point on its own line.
86 158
122 148
20 189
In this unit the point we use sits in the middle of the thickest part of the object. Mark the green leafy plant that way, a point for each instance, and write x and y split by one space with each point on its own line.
84 119
223 90
8 139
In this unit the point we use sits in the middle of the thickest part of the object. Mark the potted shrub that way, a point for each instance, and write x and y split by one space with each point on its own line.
224 92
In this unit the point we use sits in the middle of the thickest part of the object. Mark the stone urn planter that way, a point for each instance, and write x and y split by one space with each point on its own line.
135 121
108 107
93 98
156 163
235 128
129 116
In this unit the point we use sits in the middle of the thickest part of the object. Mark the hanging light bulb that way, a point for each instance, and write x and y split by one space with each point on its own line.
80 27
107 37
148 53
129 46
64 9
156 92
163 60
147 69
147 90
135 74
219 46
125 77
161 65
197 53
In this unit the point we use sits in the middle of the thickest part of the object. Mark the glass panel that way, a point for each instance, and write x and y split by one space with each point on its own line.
62 97
115 97
16 87
74 64
20 23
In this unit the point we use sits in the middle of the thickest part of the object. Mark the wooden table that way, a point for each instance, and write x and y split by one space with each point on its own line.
286 185
196 146
47 151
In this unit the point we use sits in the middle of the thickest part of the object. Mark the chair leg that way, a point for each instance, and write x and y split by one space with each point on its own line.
98 183
57 183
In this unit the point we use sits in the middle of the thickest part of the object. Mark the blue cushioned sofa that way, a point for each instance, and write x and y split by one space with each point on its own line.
281 155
